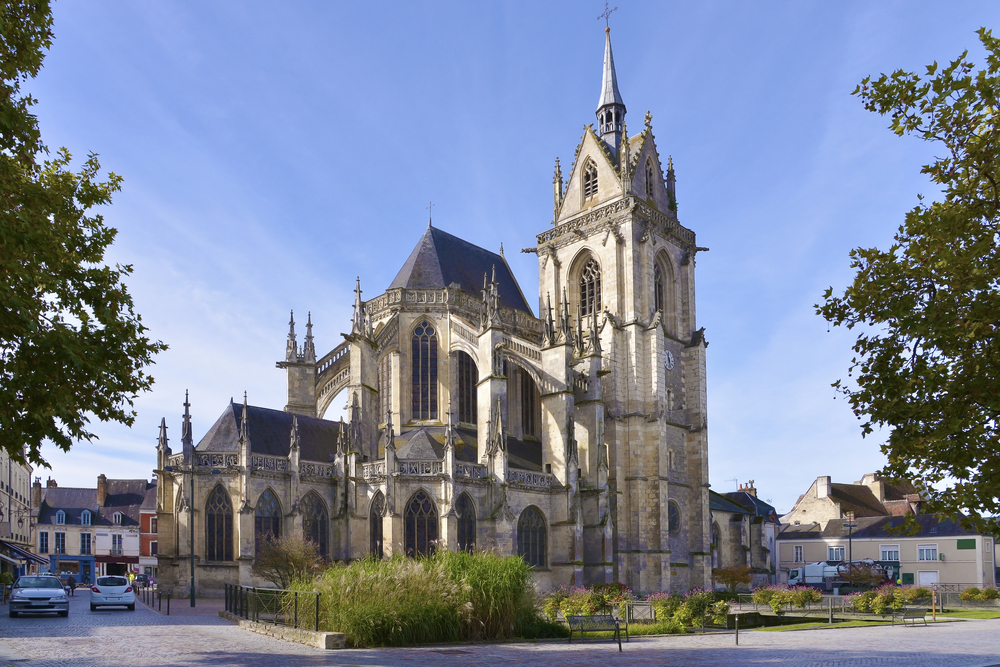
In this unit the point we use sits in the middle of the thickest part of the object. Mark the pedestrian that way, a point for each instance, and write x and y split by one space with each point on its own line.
71 582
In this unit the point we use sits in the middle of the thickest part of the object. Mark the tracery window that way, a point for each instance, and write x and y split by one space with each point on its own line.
267 518
375 515
384 387
531 537
650 175
673 517
658 287
589 180
529 404
420 526
466 511
590 288
219 526
424 362
468 375
314 522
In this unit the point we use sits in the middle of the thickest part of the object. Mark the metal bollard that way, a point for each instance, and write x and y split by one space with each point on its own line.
317 611
737 629
296 621
168 603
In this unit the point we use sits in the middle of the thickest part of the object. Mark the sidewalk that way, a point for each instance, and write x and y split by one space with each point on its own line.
182 606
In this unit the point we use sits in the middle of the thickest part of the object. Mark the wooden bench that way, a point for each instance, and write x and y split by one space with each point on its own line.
601 623
913 615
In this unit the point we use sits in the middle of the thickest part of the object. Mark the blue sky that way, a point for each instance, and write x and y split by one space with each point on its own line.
273 151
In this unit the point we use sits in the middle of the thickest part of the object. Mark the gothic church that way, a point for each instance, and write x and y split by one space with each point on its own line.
576 439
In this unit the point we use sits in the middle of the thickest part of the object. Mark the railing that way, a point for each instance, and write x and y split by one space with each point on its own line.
528 478
296 609
470 470
420 467
332 357
373 471
269 463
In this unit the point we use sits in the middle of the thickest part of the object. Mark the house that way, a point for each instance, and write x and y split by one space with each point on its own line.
744 531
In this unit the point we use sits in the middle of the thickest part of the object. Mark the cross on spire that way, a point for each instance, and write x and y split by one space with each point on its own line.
606 15
430 212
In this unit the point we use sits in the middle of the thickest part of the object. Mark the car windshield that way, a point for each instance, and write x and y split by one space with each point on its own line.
112 581
39 582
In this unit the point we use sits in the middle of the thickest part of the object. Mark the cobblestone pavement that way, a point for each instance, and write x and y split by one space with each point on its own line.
147 639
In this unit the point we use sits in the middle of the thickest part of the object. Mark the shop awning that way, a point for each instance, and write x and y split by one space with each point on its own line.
22 553
10 560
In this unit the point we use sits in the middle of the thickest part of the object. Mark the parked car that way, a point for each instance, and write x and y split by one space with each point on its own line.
43 593
142 580
112 591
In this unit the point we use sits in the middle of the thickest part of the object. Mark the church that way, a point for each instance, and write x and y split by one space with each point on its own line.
575 438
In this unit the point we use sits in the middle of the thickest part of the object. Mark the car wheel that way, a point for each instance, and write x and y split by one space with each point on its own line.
131 607
13 614
93 607
64 614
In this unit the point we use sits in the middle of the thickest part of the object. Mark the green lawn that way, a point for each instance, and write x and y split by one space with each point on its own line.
971 613
822 624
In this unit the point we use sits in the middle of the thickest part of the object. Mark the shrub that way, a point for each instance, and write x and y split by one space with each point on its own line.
665 604
803 595
991 593
731 577
282 560
971 593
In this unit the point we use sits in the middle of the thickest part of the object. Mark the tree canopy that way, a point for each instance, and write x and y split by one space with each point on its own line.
927 358
71 346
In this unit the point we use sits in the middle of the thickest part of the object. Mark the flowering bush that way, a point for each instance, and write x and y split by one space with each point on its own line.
879 601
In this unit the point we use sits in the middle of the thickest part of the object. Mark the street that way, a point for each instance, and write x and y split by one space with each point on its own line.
144 638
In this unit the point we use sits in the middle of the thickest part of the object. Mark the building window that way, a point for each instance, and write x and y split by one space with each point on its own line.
420 527
118 518
590 288
716 546
219 526
529 404
989 545
60 543
85 518
375 515
835 553
466 511
153 548
116 545
384 380
927 552
314 522
650 176
152 524
673 517
424 360
85 544
60 517
43 542
589 180
657 287
267 518
889 551
531 537
670 459
798 554
468 376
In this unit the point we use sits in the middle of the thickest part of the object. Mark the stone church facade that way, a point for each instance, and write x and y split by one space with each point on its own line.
577 438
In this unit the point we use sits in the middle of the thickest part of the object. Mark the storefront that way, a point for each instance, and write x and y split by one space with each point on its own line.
116 565
81 568
19 560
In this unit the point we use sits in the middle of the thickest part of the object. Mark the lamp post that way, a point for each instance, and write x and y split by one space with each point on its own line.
190 520
850 525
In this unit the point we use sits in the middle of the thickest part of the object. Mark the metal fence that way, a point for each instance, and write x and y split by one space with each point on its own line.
296 609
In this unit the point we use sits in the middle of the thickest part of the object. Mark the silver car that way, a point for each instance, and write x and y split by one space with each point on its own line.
38 594
112 591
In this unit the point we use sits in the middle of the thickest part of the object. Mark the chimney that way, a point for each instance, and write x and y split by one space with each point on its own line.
50 483
36 493
749 488
823 487
102 490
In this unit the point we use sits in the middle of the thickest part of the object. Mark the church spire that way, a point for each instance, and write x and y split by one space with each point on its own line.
358 326
291 348
610 108
309 349
186 437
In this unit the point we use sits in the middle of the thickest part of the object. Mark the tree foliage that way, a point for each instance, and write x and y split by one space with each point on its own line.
927 359
71 346
284 560
733 576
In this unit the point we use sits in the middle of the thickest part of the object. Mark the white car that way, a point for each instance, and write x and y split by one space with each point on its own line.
112 591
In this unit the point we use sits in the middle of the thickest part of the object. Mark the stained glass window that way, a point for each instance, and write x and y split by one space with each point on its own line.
468 375
590 288
466 511
531 537
420 525
424 361
314 522
375 515
219 525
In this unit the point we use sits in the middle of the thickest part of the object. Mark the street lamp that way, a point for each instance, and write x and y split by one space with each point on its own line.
850 525
190 519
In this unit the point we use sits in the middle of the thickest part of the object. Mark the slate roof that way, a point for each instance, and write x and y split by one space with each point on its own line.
753 504
440 259
124 495
719 503
427 443
270 433
858 499
931 525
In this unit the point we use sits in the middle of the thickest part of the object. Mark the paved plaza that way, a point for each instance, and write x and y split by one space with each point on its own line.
144 638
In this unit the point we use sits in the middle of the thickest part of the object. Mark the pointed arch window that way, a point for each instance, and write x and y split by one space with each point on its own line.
314 522
266 518
219 526
531 537
650 176
420 525
384 381
657 287
716 545
466 511
673 517
589 180
375 514
590 288
468 375
424 372
530 404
